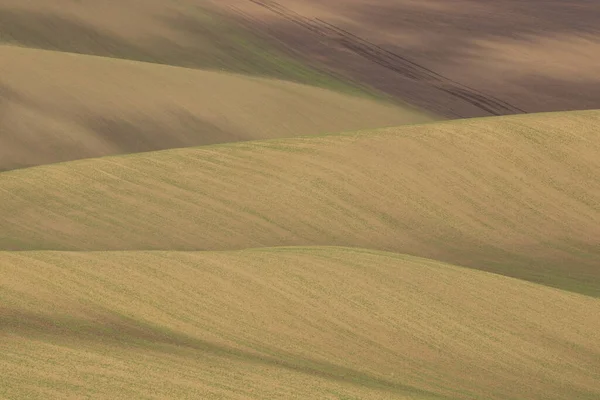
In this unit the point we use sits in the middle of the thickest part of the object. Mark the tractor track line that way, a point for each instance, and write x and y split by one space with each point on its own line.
393 61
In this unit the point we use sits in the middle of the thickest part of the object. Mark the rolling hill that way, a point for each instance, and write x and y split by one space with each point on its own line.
515 195
57 106
329 323
185 33
232 199
461 59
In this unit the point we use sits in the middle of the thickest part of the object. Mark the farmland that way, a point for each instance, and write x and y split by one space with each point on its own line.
259 199
460 59
411 190
287 322
52 111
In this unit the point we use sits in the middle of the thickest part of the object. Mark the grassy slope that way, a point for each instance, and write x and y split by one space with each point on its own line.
514 195
57 106
328 323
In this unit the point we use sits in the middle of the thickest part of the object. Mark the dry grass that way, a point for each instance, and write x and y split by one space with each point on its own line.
514 195
57 106
327 323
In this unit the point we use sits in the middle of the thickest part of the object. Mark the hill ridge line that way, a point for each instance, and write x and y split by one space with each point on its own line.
361 133
206 70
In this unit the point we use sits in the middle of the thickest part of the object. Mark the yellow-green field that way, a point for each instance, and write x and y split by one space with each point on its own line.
314 322
514 195
57 106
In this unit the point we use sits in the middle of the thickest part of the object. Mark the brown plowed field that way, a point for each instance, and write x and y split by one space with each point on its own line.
461 58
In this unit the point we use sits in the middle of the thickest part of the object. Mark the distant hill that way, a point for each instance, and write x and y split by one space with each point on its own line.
58 106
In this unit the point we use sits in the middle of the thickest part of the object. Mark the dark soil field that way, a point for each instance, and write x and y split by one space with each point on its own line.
455 58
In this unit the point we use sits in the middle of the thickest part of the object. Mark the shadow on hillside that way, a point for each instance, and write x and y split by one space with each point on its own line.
205 46
202 39
177 127
172 127
200 45
6 96
123 331
553 94
126 135
53 32
500 18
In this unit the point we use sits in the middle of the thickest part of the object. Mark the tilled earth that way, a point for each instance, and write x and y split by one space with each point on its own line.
462 58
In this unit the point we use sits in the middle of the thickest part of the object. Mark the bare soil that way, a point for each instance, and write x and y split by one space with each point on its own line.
462 58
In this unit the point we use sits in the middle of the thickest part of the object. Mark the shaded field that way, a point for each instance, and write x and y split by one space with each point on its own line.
475 58
515 195
57 107
333 323
465 59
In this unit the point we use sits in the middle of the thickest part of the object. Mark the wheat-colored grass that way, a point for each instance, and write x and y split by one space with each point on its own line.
515 195
57 106
326 323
